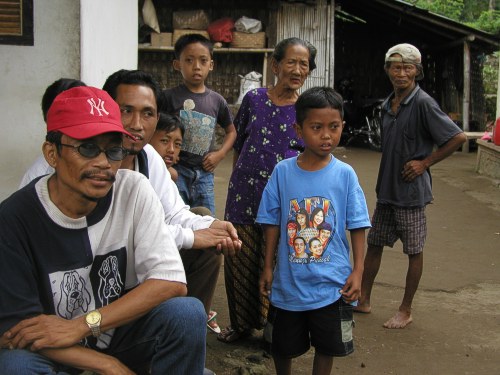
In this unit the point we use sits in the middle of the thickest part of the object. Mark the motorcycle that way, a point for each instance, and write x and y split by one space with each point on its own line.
363 119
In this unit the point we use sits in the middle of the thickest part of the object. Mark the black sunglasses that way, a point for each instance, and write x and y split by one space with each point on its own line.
91 150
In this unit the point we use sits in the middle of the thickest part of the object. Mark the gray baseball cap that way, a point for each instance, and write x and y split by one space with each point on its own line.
407 54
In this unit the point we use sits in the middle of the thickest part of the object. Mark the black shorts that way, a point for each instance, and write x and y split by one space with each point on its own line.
327 329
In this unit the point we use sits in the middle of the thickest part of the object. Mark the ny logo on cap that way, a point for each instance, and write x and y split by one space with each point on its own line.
99 107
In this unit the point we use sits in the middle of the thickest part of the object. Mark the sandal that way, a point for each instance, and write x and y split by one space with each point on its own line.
212 322
229 335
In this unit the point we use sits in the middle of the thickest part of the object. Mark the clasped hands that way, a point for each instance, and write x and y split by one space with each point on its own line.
221 236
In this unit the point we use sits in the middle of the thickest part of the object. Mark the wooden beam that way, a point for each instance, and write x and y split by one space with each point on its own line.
331 44
468 38
466 93
498 88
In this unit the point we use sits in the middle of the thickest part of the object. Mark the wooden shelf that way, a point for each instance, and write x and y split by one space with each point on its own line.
146 47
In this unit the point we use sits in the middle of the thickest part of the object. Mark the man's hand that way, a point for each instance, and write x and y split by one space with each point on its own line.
87 359
44 331
211 160
221 236
4 342
232 245
114 367
413 169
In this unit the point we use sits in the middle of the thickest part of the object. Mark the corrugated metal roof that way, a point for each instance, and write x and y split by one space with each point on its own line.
401 15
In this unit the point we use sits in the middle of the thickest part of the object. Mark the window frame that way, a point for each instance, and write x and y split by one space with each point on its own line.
26 38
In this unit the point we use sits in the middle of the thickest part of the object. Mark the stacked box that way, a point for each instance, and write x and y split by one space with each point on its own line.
248 40
161 39
180 32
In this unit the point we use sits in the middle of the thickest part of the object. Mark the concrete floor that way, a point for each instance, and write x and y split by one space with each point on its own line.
456 328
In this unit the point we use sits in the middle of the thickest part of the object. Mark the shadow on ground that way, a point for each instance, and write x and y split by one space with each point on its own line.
456 328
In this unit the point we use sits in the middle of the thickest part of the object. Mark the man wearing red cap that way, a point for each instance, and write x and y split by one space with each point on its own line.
412 124
90 277
196 236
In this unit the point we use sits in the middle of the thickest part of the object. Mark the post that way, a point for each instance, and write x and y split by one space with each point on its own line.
498 88
331 44
264 70
466 93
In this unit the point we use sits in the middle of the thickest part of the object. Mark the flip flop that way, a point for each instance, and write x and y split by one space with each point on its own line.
212 322
229 335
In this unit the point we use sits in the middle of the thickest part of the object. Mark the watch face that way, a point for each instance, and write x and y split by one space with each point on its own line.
93 317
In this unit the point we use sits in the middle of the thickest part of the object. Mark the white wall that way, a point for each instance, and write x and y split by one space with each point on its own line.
498 88
106 42
25 72
109 38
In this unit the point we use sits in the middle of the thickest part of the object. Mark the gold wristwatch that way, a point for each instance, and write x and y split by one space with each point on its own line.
93 320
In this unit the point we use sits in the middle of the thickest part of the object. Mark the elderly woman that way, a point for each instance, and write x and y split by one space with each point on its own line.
264 124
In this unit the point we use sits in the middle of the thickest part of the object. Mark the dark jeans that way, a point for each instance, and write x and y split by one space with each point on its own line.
171 337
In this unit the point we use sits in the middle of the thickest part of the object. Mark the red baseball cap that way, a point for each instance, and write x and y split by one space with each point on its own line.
85 112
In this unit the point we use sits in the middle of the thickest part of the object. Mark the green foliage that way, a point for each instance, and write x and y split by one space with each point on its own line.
449 8
490 82
476 14
488 21
490 73
473 9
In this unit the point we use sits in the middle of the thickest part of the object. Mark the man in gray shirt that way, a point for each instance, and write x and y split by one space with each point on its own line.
412 125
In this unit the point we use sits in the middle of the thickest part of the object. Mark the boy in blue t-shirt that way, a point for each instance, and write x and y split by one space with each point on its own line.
311 296
200 109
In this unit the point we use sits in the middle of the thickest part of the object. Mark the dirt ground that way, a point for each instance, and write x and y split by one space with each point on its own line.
456 328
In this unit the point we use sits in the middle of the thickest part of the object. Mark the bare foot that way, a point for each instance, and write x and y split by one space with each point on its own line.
400 320
363 307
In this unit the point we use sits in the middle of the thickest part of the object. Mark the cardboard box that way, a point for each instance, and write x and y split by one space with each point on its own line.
180 32
161 39
248 40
